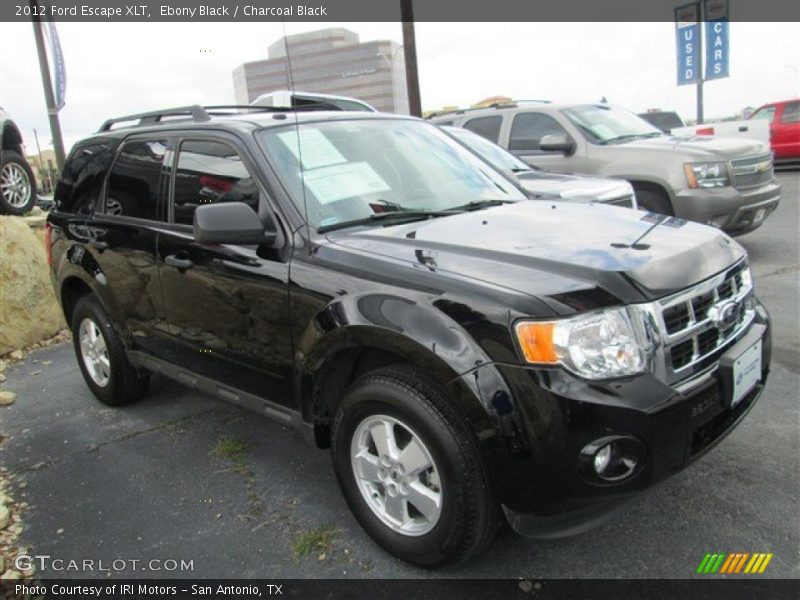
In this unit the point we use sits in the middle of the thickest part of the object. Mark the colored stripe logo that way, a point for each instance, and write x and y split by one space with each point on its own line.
735 563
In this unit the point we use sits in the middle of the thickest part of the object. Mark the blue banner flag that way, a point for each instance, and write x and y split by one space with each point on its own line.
57 58
687 32
717 39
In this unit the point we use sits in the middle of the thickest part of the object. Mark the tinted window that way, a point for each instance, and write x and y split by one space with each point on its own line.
488 127
134 182
82 179
209 172
791 113
528 130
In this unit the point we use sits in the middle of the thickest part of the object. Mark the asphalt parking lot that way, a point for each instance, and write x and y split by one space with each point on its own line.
182 476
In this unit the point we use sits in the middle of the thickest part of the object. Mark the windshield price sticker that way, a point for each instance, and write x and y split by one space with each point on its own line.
311 147
337 182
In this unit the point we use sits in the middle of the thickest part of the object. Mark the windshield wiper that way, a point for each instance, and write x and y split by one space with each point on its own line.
631 136
389 215
479 204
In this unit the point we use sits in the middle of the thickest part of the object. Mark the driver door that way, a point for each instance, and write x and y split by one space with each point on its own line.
225 307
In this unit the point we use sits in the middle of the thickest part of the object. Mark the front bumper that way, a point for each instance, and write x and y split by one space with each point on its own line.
732 210
545 492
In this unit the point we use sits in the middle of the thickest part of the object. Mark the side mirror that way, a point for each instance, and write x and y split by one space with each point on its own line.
230 223
557 143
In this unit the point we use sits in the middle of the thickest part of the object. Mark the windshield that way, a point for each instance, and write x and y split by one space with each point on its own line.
492 153
353 169
603 124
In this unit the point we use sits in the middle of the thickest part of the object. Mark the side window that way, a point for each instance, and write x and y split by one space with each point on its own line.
209 172
81 181
767 113
529 128
791 113
134 181
488 127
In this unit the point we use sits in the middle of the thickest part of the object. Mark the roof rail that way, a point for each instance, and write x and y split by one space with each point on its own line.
196 112
201 114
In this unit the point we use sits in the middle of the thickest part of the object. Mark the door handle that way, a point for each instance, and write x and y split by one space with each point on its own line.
179 263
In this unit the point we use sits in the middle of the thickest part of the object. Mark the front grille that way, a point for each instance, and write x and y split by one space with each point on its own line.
751 171
693 330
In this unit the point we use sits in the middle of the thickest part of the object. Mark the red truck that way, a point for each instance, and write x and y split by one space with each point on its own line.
784 125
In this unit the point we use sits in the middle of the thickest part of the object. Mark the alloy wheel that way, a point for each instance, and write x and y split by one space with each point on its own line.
396 475
94 352
15 185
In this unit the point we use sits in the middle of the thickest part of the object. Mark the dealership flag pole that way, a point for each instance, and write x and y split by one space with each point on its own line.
700 75
44 67
410 46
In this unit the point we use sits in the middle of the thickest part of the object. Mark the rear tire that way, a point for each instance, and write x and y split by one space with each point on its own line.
654 200
101 356
425 496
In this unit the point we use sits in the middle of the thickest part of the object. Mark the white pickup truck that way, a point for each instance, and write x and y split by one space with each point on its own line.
670 122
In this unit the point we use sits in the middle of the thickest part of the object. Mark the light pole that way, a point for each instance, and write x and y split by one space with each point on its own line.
410 45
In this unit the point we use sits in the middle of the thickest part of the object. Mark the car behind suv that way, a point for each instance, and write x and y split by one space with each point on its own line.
464 353
17 183
727 183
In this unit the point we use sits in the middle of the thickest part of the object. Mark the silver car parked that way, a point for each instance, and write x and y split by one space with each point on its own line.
728 183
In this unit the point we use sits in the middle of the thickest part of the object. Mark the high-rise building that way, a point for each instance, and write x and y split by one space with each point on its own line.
329 61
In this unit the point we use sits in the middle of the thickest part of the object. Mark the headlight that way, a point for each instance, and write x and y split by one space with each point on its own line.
706 175
599 345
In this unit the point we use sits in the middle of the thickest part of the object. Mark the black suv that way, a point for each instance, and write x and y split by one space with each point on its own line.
464 352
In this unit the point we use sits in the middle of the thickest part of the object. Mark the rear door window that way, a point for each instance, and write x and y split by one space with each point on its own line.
209 172
135 180
528 130
488 127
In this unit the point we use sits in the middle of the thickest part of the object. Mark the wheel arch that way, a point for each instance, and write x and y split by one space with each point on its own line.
340 357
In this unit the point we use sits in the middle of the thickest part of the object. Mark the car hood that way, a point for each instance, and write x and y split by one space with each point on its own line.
550 248
703 146
575 188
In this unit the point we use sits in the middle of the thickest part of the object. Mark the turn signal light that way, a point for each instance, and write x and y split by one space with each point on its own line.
536 341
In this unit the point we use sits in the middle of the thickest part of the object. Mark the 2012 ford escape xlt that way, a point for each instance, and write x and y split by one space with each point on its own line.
465 353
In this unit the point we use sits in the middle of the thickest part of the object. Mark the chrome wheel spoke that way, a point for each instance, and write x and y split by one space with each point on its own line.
413 458
396 508
366 467
383 436
425 500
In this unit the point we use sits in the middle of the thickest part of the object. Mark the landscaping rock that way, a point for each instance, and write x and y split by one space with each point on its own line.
28 307
7 398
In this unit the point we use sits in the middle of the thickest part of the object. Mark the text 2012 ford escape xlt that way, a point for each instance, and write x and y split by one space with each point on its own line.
466 354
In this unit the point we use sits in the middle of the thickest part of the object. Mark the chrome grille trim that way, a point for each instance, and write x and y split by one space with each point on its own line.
703 337
745 172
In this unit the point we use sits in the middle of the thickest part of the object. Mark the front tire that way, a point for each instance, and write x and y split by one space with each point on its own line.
17 184
101 356
411 470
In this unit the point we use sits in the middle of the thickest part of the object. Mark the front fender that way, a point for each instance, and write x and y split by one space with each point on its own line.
416 334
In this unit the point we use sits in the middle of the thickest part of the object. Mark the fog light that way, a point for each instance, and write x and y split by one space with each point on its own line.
612 459
602 459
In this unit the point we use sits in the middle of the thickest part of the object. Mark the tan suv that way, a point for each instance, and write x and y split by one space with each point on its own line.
728 183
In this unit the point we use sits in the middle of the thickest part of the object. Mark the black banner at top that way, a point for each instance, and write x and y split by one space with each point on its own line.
378 10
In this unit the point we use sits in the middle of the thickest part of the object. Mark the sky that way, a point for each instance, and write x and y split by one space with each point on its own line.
115 69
